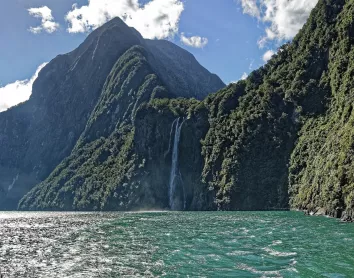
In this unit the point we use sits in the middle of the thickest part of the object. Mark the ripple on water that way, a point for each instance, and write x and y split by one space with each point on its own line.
275 253
158 244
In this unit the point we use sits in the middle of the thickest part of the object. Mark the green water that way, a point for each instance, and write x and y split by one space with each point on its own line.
175 244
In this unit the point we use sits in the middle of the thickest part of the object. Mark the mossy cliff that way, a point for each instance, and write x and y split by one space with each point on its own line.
282 138
70 101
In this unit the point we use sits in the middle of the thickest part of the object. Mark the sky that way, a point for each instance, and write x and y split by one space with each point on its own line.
228 37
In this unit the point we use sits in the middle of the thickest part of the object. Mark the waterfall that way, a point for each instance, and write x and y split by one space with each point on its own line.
174 164
13 183
171 132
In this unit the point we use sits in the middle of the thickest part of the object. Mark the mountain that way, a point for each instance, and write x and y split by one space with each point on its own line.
82 95
280 139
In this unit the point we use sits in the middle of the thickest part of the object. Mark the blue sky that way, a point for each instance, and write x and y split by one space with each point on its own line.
228 37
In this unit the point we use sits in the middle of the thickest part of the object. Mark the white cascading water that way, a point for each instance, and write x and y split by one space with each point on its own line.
174 164
171 132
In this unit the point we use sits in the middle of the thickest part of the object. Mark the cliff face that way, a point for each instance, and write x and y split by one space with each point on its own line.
168 140
321 165
288 141
280 139
37 135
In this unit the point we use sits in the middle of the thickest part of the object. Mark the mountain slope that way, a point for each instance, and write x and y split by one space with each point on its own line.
292 126
37 135
248 150
181 71
89 175
327 141
280 139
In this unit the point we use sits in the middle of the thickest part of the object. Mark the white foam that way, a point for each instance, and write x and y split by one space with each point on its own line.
277 242
239 253
275 253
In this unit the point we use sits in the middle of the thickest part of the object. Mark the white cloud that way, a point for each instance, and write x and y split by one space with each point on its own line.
17 92
156 19
250 7
244 76
194 41
47 20
268 55
285 17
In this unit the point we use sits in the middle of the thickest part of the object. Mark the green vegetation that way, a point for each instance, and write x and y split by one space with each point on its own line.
321 171
281 138
247 149
73 103
103 161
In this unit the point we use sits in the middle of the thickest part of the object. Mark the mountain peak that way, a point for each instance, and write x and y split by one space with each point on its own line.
71 87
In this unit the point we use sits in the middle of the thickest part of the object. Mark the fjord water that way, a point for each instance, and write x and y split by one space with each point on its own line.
174 244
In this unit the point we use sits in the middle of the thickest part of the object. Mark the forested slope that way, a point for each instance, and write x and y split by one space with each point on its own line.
35 136
282 138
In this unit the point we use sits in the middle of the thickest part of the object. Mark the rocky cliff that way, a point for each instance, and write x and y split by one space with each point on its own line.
70 93
280 139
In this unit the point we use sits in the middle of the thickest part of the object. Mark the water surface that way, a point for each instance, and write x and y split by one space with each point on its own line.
174 244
